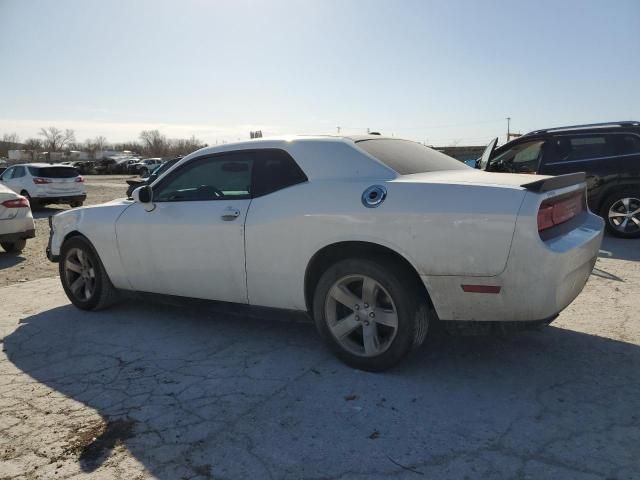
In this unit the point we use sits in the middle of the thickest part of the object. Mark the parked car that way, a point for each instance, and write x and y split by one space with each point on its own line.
144 167
43 183
2 169
135 183
609 153
16 221
83 167
375 237
114 165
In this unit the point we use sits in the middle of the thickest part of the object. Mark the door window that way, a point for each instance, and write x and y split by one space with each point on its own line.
581 147
219 177
627 144
523 157
18 172
8 174
275 170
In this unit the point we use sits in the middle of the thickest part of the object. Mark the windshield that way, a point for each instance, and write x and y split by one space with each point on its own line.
54 172
406 157
521 158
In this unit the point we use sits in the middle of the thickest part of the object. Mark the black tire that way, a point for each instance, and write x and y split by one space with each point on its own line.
34 204
633 231
410 305
103 294
14 247
76 204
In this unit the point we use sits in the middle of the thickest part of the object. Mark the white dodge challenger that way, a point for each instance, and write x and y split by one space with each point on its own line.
375 237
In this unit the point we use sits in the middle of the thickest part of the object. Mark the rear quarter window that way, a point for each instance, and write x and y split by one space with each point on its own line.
54 172
407 157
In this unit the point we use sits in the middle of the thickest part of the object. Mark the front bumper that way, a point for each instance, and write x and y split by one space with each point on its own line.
13 237
50 256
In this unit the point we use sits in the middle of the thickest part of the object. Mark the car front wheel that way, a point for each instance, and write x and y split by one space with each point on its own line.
83 276
370 314
621 212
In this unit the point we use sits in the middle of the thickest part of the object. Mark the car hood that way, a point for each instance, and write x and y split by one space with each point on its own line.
474 177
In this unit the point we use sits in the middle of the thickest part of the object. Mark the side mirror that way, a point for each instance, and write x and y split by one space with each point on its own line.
144 195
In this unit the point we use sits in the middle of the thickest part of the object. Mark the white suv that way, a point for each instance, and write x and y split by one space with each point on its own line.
43 183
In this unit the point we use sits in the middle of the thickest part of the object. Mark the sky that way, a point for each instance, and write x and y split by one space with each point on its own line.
445 72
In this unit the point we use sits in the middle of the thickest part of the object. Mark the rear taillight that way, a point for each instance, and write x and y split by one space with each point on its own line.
41 181
79 179
559 210
16 203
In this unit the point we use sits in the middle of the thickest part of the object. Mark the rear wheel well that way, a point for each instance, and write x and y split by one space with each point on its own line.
336 252
614 190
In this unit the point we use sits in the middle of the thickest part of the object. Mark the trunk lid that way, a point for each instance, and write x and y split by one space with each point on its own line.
475 177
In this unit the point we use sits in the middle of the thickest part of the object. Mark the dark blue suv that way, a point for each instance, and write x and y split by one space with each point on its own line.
609 154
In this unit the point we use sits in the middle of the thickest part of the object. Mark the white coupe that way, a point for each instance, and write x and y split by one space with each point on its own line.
375 237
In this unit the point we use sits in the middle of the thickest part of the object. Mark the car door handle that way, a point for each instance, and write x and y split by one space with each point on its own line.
230 213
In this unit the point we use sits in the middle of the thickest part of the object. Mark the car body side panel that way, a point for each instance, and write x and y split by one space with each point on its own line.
441 229
541 278
98 224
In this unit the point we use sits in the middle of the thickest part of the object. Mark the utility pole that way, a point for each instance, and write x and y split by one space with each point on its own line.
338 127
508 132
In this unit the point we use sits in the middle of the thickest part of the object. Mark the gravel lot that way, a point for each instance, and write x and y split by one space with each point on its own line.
147 390
33 263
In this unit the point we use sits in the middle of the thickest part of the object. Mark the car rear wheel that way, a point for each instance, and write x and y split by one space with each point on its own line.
621 212
32 203
370 314
76 204
14 247
83 276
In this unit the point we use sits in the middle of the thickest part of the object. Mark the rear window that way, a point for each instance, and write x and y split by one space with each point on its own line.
54 172
406 157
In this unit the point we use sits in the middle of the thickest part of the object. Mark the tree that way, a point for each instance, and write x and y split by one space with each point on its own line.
33 146
181 146
100 142
55 139
11 138
154 143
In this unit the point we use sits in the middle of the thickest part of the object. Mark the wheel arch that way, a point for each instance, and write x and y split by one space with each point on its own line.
335 252
613 188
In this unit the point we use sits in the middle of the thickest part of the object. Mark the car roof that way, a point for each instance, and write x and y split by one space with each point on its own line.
319 156
42 165
588 127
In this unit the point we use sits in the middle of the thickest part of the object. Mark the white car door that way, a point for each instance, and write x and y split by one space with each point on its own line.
192 243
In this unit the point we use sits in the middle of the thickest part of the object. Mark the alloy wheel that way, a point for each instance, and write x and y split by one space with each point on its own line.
624 215
361 315
80 274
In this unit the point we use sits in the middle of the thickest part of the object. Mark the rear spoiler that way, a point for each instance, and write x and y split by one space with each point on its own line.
553 183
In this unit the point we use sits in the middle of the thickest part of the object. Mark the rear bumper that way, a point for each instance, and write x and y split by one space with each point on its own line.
13 237
61 198
540 280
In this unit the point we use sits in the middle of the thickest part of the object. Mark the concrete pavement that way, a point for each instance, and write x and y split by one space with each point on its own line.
147 390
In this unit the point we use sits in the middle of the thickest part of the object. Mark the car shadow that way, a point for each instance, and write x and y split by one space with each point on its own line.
46 212
8 260
199 395
620 248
